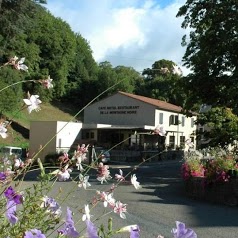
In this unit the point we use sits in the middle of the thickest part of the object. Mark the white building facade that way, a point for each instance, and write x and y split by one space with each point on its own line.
124 115
122 121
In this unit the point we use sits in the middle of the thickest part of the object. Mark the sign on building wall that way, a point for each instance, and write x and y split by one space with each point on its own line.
118 110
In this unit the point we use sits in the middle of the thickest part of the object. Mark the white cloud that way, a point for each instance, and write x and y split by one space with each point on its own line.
132 33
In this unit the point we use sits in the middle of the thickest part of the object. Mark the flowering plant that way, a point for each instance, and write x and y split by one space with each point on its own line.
215 166
31 212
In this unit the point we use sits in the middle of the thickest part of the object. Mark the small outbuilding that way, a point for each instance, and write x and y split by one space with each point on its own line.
52 136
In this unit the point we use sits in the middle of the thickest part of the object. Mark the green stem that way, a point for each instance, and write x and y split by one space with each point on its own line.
13 84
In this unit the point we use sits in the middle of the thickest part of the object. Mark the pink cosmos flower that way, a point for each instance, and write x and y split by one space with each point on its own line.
20 66
107 199
120 209
78 157
83 148
103 173
33 103
47 83
119 177
63 159
17 64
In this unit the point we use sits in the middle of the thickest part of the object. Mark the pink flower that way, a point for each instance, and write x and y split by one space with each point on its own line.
103 173
107 198
17 64
47 83
20 66
120 208
119 177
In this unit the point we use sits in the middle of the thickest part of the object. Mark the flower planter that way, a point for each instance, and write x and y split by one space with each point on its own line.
216 192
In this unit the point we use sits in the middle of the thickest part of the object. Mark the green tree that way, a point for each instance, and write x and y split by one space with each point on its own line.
222 126
57 44
82 77
162 83
107 77
211 52
129 78
11 98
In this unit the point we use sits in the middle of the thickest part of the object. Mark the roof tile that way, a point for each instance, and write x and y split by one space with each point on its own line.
155 102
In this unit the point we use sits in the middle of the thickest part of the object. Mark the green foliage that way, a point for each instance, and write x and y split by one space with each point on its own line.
162 85
10 97
222 124
211 52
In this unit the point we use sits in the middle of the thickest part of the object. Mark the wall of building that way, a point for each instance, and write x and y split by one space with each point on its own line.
67 133
181 131
120 110
53 136
42 133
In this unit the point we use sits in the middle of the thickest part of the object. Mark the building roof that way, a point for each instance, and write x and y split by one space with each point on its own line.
155 102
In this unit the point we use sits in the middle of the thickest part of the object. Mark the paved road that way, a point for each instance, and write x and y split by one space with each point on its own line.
156 206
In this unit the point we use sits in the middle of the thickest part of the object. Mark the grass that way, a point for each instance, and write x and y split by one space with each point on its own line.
48 112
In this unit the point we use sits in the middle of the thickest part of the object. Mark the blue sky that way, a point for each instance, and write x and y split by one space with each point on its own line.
133 33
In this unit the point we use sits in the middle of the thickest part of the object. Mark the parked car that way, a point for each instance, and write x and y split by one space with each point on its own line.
103 155
11 150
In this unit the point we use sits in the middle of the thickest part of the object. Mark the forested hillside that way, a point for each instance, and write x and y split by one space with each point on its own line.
50 47
51 50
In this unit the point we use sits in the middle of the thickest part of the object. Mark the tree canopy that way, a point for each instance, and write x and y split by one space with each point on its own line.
161 82
51 48
211 51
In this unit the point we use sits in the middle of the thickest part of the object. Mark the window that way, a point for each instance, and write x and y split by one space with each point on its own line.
192 122
92 135
171 142
183 121
60 143
201 129
182 141
161 118
173 120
